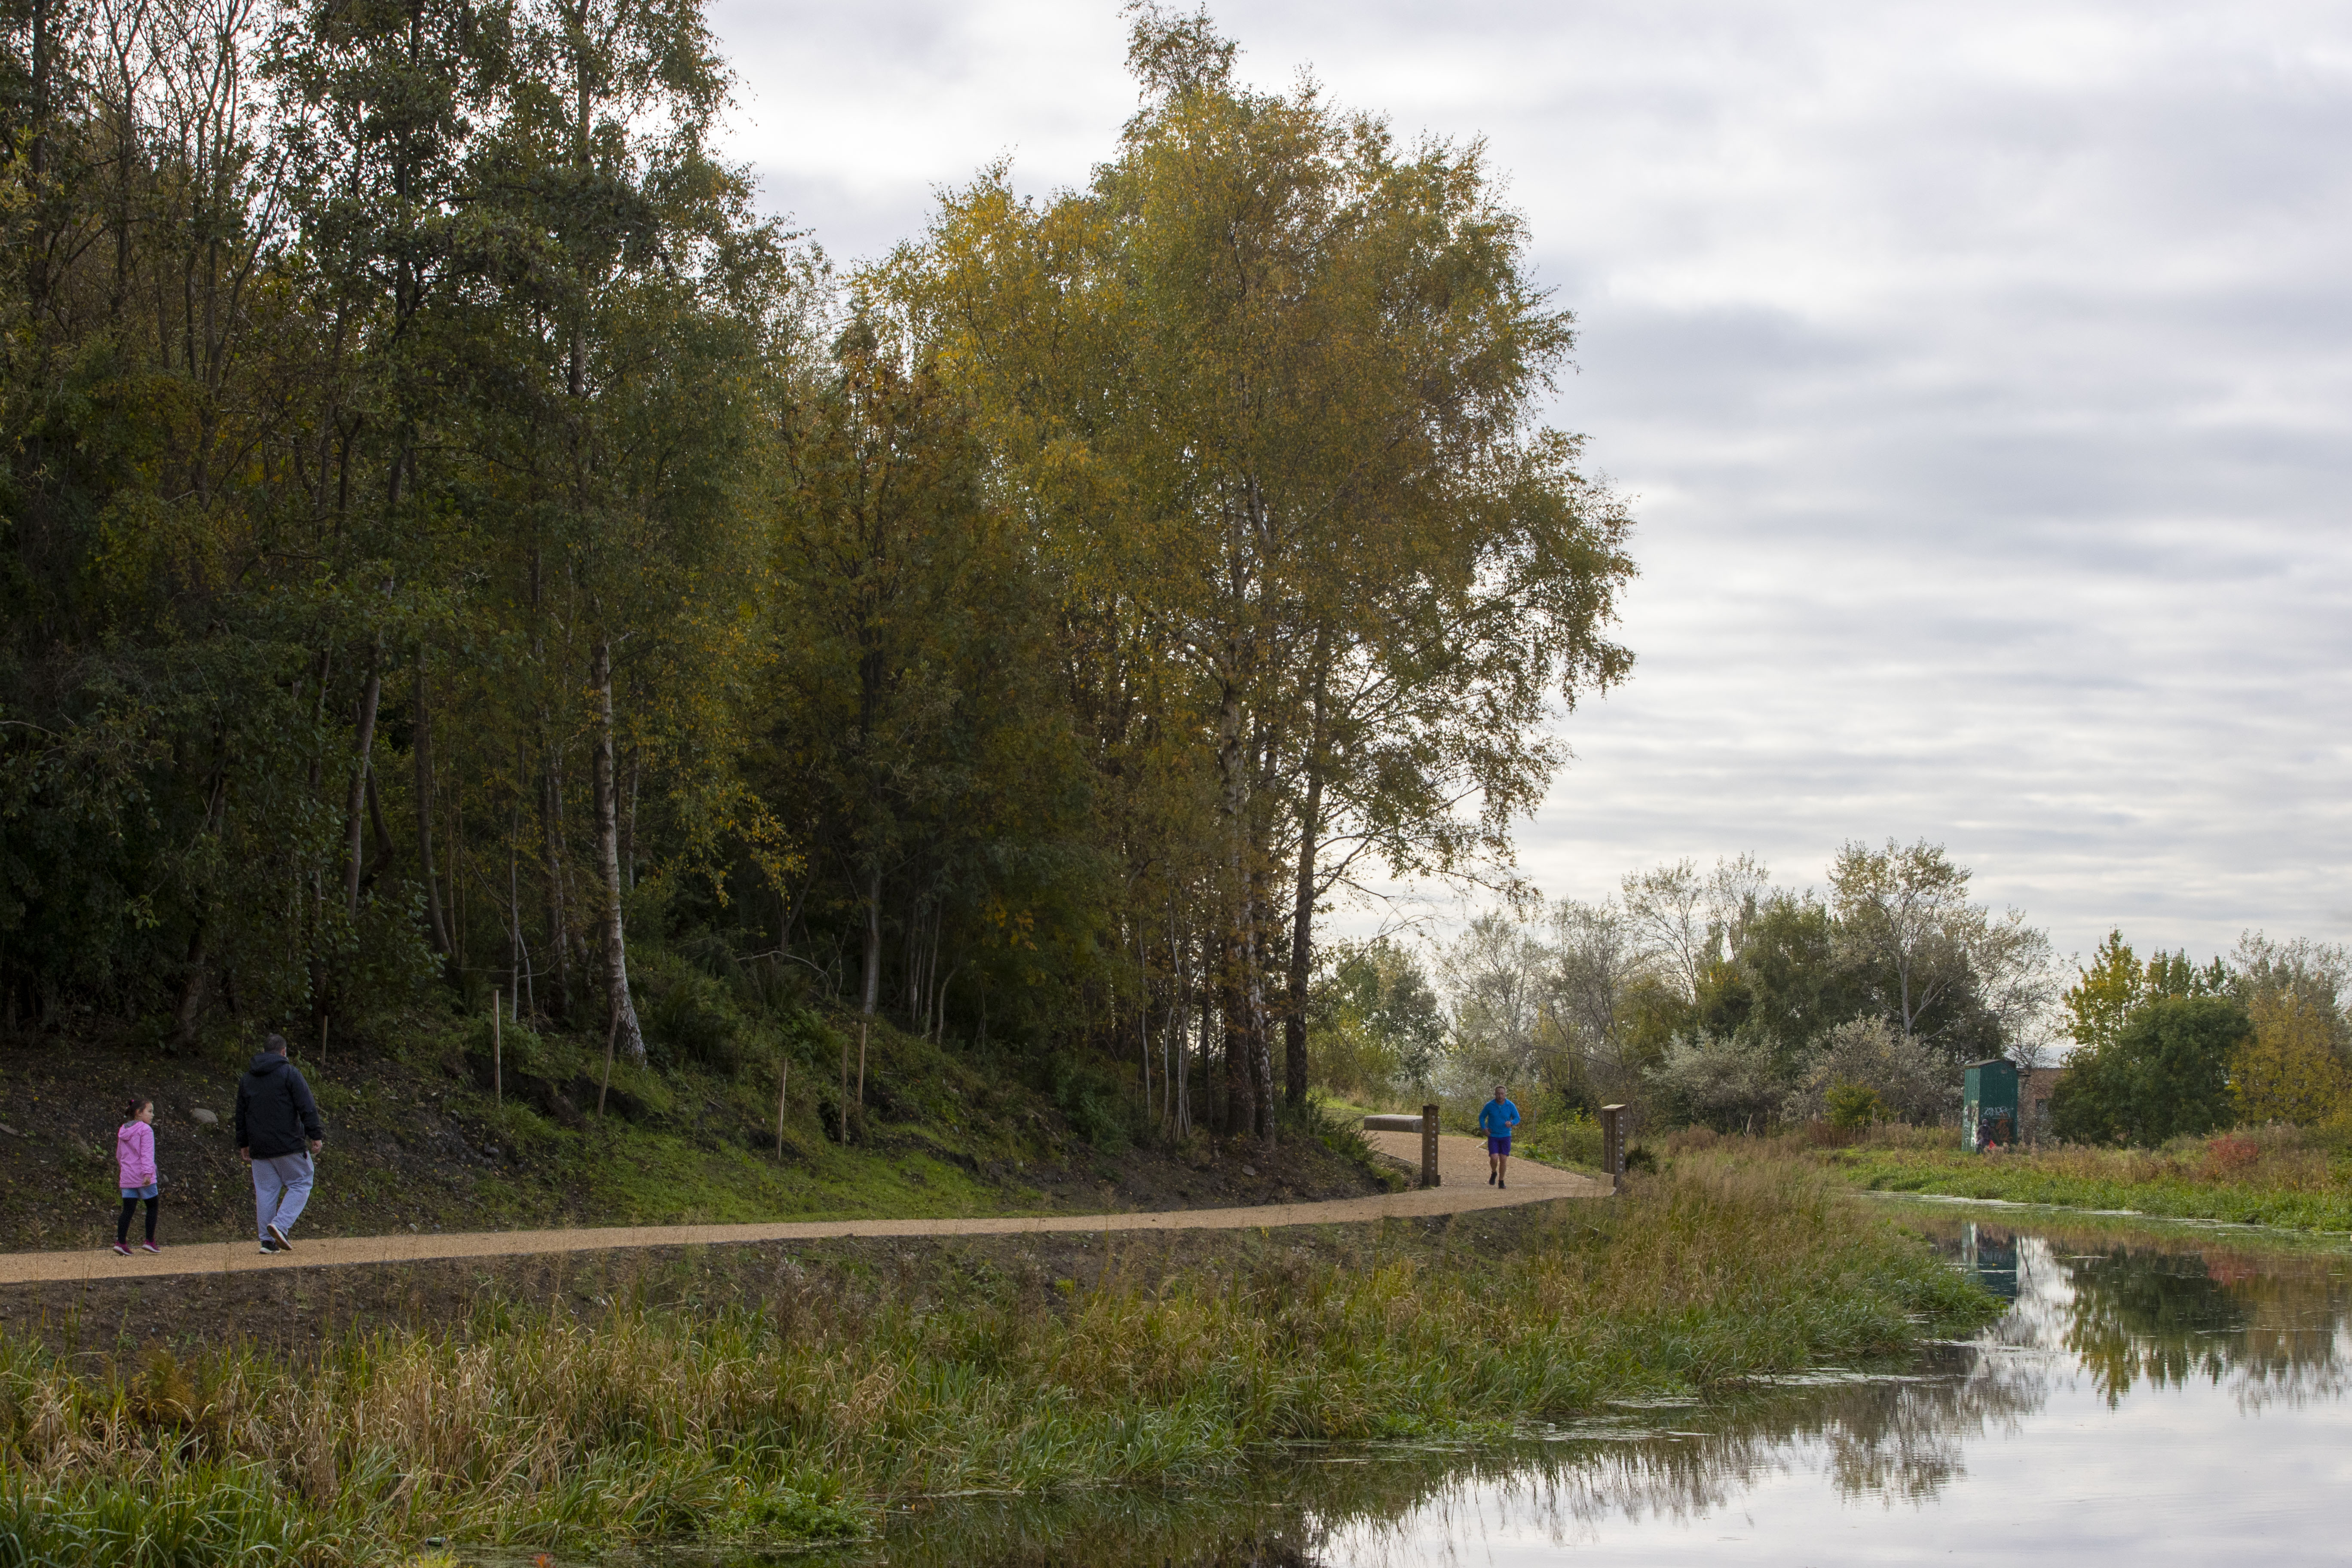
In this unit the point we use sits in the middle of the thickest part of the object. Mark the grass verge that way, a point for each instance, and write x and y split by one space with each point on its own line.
419 1140
2280 1176
848 1387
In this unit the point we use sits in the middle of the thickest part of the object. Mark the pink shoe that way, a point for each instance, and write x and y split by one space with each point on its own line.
149 1246
123 1247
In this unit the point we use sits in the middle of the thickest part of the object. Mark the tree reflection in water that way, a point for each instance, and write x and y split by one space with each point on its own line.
2267 1327
2153 1312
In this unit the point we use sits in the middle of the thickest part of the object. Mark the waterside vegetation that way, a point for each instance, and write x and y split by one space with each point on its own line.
843 1389
2279 1174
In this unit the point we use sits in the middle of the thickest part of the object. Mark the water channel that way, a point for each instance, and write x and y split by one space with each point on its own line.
2160 1395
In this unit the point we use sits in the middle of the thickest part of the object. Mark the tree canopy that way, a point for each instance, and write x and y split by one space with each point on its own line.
453 539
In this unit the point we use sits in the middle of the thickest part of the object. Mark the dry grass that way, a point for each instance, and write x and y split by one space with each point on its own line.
846 1390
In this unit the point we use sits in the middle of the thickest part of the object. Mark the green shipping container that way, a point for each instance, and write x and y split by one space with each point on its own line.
1989 1103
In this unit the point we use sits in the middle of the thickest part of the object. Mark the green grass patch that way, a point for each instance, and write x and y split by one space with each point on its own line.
2276 1177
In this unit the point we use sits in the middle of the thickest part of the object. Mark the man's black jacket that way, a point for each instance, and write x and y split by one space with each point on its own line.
275 1112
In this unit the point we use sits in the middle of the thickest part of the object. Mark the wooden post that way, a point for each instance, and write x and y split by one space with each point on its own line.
844 1084
1613 1122
497 1065
1429 1145
322 1045
783 1076
861 1079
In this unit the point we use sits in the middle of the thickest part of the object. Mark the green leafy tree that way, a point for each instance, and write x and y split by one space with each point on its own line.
1376 1022
2166 1072
1797 986
2105 992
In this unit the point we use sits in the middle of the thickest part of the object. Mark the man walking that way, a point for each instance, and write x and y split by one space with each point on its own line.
277 1131
1496 1119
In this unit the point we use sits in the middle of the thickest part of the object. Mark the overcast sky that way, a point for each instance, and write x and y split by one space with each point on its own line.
1982 376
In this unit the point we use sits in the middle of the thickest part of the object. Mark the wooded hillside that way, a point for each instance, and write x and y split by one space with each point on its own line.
453 539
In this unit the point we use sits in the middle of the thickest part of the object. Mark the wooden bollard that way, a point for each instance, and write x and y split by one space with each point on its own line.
1429 1145
1614 1121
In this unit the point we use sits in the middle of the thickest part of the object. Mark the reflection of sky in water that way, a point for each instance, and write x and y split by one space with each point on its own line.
2183 1404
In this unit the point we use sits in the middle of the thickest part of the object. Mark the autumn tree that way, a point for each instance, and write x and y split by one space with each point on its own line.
2288 1069
1268 385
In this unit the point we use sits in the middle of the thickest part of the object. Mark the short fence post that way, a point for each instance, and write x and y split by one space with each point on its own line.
1429 1145
1613 1145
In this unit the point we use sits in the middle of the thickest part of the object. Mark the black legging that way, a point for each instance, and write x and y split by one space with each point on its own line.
122 1224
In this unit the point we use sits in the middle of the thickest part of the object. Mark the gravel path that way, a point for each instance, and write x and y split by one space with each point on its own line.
1461 1168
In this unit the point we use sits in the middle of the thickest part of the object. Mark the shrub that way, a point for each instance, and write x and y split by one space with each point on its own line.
1853 1105
1578 1138
1343 1135
1909 1081
1724 1081
520 1050
687 1015
1091 1100
2228 1157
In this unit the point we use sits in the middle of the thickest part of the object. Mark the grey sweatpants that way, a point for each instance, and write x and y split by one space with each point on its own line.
281 1186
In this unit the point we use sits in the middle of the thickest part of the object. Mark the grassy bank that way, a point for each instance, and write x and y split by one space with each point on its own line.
422 1136
2296 1177
843 1386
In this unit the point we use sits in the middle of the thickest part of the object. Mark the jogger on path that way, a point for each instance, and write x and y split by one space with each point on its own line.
1496 1119
277 1131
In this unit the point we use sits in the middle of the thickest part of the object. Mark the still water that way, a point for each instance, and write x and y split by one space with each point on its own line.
2157 1397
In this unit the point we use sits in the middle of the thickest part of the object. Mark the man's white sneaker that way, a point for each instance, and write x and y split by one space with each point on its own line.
278 1236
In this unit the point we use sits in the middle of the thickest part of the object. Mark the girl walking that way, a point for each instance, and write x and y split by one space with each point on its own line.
134 1158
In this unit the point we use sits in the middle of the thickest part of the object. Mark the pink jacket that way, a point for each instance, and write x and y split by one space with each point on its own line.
134 1152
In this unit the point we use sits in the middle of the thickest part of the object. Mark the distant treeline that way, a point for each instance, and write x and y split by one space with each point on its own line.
449 536
1719 998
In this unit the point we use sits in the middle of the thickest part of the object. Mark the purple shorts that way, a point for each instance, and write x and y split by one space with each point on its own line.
1498 1145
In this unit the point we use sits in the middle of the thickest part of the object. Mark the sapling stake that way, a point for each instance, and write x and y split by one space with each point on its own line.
783 1078
610 1029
